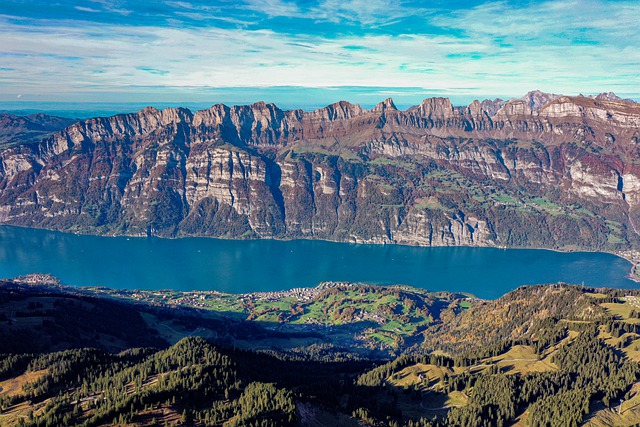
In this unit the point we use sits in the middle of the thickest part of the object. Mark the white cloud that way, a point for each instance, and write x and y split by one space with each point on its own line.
365 12
220 58
549 20
274 7
368 13
503 51
112 6
87 9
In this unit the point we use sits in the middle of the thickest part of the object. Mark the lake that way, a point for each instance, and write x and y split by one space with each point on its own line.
241 266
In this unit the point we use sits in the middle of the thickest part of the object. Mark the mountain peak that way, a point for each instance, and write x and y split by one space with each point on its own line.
537 99
261 105
338 111
492 106
440 107
606 96
149 110
387 104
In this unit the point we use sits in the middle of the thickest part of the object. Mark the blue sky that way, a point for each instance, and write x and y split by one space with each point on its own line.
310 53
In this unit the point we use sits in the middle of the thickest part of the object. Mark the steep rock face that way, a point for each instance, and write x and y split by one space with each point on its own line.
545 170
614 114
224 185
591 179
420 228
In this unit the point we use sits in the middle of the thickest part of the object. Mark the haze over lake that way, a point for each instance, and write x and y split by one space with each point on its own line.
241 266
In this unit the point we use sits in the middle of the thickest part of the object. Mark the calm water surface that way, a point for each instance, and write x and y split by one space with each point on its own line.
265 265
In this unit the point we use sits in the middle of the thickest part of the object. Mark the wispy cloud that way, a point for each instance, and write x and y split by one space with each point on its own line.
365 12
274 7
563 20
113 6
496 48
86 9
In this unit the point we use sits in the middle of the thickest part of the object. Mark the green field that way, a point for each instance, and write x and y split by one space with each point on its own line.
346 314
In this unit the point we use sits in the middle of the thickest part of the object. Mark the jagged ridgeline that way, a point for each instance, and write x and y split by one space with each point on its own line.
545 170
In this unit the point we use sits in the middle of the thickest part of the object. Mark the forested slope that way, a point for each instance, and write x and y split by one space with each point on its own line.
541 355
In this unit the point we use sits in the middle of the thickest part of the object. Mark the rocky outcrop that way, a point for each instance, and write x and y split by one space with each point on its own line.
543 170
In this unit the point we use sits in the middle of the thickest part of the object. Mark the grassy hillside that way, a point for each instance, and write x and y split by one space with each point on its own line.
374 321
541 355
384 318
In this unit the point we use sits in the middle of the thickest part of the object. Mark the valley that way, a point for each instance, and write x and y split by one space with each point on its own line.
542 171
383 213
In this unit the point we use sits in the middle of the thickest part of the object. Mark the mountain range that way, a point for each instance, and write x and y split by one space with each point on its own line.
544 170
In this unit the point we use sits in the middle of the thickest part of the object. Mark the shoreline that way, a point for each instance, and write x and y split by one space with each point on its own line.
45 280
633 256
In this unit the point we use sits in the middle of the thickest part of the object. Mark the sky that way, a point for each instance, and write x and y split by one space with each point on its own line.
313 52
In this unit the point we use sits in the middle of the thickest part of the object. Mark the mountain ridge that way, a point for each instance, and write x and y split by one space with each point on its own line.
433 174
16 129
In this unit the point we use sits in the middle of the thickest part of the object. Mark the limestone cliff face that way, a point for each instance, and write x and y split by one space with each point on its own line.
544 170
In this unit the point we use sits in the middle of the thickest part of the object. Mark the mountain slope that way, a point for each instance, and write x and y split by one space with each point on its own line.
16 130
541 355
518 173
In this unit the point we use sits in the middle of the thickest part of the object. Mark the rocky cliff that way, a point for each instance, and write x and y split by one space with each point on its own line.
544 170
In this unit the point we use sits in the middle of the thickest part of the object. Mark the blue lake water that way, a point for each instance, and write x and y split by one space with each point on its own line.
241 266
